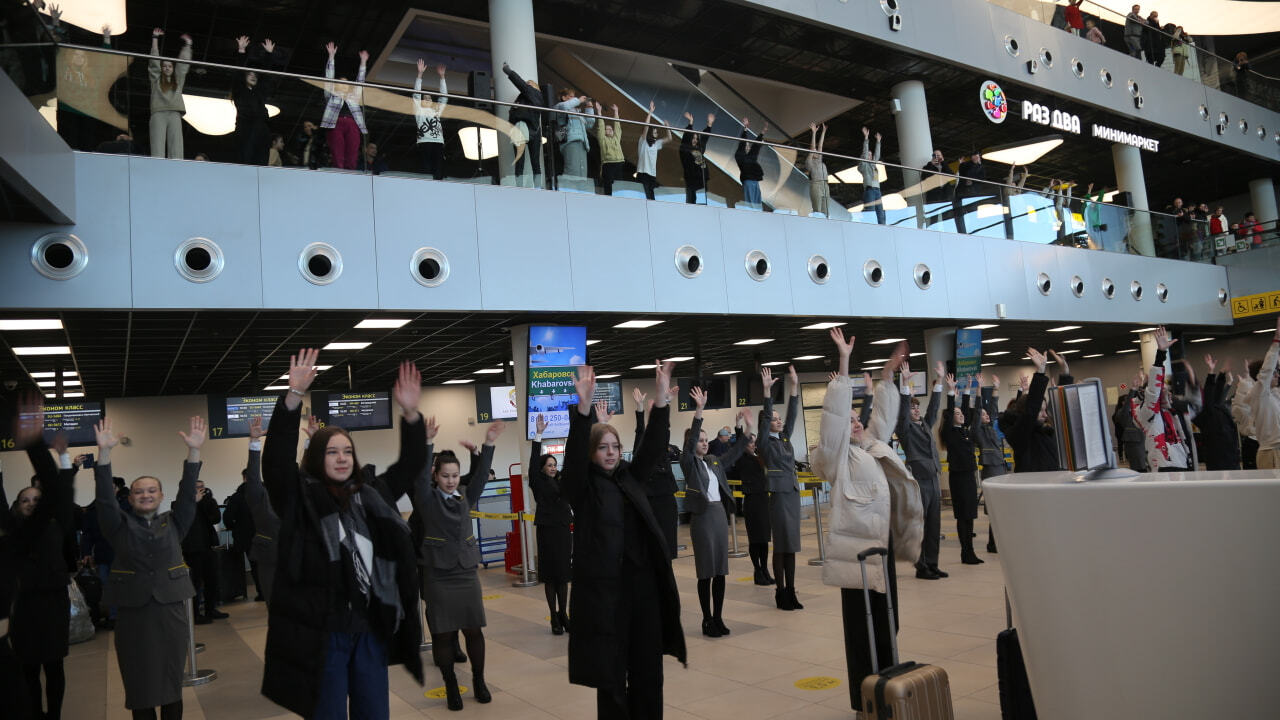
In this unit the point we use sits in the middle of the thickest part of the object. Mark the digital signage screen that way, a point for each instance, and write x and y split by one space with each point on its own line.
75 418
496 402
229 416
353 411
555 354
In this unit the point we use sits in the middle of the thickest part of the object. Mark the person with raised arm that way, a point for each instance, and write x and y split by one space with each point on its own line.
958 432
774 446
693 160
1167 440
875 502
250 98
1035 448
345 594
429 115
869 166
344 112
266 523
150 583
529 95
1264 403
661 487
816 166
990 445
571 130
609 136
915 433
750 172
755 504
167 107
625 604
552 525
709 501
647 153
1217 428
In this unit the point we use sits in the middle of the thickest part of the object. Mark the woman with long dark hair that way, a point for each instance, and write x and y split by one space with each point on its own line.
957 434
774 445
755 507
167 107
552 526
626 608
343 604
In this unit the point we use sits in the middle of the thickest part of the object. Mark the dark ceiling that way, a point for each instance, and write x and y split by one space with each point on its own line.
122 354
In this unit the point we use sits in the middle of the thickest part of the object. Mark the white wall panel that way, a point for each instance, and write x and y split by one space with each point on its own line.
741 234
411 214
671 226
965 268
1075 262
523 236
171 202
863 242
808 237
1005 283
916 247
1038 259
609 244
300 207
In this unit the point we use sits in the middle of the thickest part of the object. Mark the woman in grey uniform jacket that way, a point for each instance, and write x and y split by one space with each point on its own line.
779 456
552 526
710 503
990 446
149 582
450 556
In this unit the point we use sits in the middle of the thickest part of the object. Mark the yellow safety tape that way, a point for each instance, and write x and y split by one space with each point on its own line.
679 493
735 482
738 494
495 516
806 493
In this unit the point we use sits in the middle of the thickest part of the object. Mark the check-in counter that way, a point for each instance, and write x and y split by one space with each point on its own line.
1155 596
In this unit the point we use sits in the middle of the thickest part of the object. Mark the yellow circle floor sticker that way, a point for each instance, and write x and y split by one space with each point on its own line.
819 682
746 579
490 597
440 693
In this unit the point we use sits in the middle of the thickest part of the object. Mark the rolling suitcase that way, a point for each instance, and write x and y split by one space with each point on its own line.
902 691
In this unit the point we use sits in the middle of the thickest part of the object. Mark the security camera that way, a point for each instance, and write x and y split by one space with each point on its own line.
10 385
895 22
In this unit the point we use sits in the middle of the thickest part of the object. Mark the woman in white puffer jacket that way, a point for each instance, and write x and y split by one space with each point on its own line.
874 503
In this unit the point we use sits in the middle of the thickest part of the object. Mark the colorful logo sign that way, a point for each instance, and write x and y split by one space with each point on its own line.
993 101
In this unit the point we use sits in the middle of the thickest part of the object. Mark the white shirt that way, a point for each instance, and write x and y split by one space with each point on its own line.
647 156
713 483
1265 401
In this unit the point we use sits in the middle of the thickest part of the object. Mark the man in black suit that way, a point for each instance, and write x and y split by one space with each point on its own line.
197 550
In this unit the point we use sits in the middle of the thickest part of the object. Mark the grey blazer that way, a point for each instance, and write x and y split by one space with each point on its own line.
917 437
449 539
148 563
778 454
266 523
697 484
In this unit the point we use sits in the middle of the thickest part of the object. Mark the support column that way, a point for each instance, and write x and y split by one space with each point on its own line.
511 41
939 346
520 376
915 143
1130 179
1262 196
1147 349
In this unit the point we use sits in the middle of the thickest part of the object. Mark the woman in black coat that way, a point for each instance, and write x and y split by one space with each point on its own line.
551 524
957 434
693 158
343 604
755 508
626 608
1217 428
41 610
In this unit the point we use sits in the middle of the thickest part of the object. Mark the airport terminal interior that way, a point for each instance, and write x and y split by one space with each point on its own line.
379 223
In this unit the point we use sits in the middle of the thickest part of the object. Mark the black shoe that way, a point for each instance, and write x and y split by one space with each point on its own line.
768 579
971 559
759 577
924 573
218 614
259 598
782 599
720 626
451 693
938 572
709 628
564 620
556 627
203 620
795 602
991 548
459 656
480 690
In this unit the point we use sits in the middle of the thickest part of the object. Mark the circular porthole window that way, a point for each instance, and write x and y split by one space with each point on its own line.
1135 289
1077 286
873 273
429 267
1133 88
1046 57
198 260
1222 296
923 276
1262 133
1108 288
1204 113
1011 45
59 256
320 263
1223 119
890 7
1162 292
1104 76
1077 67
819 270
688 261
758 268
1044 284
1243 125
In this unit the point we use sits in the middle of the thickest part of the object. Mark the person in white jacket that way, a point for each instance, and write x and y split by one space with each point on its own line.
1166 437
1264 401
428 113
875 502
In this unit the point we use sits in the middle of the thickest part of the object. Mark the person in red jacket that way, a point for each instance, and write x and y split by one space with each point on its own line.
1075 19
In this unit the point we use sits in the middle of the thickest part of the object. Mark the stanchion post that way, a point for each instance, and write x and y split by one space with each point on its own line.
194 675
424 644
817 519
733 523
526 577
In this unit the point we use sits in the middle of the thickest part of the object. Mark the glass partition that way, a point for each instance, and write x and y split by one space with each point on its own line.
111 101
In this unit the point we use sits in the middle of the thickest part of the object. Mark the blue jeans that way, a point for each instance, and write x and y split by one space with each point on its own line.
751 191
355 665
871 199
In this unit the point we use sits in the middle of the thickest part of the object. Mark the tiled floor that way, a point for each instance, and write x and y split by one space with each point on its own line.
750 675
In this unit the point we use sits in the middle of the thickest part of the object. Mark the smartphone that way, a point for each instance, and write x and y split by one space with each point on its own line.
88 461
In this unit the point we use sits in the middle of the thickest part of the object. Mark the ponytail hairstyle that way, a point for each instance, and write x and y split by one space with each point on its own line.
444 457
313 465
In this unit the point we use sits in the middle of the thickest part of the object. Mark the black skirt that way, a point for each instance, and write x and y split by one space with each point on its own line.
555 547
755 511
964 494
40 625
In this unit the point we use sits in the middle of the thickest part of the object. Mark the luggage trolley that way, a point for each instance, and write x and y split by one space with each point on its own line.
491 535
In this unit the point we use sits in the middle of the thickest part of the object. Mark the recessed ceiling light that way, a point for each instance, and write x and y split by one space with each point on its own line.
915 354
754 341
72 394
347 345
51 395
808 357
69 383
822 326
888 341
881 361
998 352
319 369
1263 330
1203 339
1091 356
488 371
1122 352
70 373
1076 340
1067 352
643 367
48 383
381 324
679 358
43 350
276 387
728 372
30 324
980 327
606 377
44 374
1150 329
593 342
459 382
639 324
775 362
1137 341
1064 328
993 340
987 364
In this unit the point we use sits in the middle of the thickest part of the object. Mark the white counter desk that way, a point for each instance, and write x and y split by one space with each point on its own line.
1156 596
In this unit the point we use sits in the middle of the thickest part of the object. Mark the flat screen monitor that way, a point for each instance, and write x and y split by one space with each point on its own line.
717 389
555 354
72 416
609 391
496 402
353 411
229 416
750 391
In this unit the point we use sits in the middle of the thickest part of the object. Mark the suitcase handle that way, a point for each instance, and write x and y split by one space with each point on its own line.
866 594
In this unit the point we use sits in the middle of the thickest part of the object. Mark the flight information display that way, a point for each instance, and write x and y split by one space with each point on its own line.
75 418
354 410
229 416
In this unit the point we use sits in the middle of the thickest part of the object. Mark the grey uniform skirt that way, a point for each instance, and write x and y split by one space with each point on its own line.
710 535
755 511
151 645
784 520
452 598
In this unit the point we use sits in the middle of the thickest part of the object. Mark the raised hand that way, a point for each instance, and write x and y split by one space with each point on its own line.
157 32
638 397
599 110
584 382
331 48
105 435
469 446
540 424
602 411
951 382
1024 382
613 108
313 424
1208 360
268 45
662 383
1066 369
1163 341
766 379
302 370
422 66
746 122
699 397
1037 358
186 38
939 370
688 116
795 379
843 346
256 430
1224 365
711 119
831 376
242 44
59 443
652 107
198 434
433 428
995 382
867 382
980 379
408 390
866 131
440 69
896 360
764 128
364 56
495 429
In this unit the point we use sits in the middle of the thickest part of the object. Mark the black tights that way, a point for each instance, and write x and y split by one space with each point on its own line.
711 596
443 646
784 565
55 684
172 711
760 556
557 592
